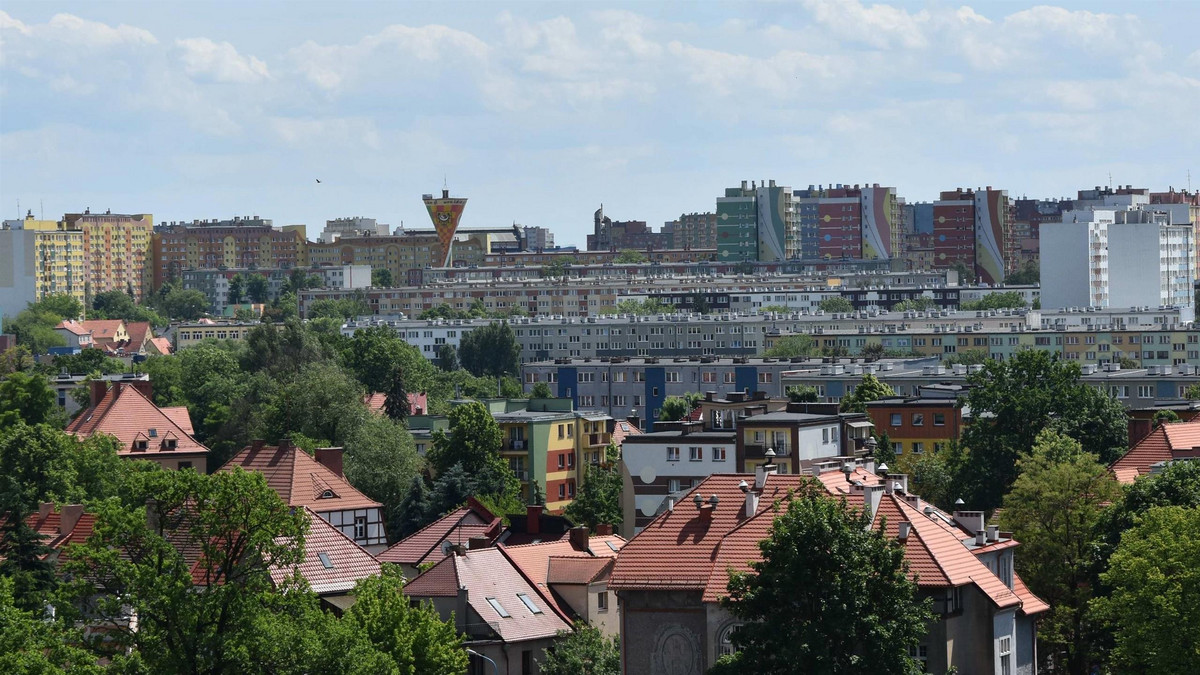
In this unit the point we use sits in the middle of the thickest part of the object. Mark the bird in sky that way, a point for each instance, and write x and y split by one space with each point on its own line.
318 180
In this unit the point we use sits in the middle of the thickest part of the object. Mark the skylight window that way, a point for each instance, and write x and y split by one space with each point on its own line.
498 607
325 560
153 433
613 546
529 603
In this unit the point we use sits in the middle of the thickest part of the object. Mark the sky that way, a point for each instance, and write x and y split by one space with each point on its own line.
538 113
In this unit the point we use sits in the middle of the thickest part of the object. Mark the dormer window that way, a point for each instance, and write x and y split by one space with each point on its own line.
327 494
168 444
140 445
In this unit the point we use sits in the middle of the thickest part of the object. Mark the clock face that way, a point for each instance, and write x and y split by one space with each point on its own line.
444 217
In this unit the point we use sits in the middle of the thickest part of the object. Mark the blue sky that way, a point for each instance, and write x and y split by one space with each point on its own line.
538 112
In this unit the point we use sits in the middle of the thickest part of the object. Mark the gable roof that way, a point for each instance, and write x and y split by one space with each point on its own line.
103 329
490 573
621 429
535 559
417 400
61 527
1167 442
160 345
71 326
347 561
458 526
300 479
139 332
680 549
574 570
126 412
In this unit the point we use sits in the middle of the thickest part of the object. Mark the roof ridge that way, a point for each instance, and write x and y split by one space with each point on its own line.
901 505
431 524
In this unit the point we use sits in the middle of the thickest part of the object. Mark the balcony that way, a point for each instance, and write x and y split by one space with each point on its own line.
517 444
595 440
757 450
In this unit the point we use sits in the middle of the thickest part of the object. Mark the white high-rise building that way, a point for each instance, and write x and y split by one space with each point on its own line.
1117 258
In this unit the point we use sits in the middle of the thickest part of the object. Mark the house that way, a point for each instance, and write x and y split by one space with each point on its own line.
670 577
316 482
333 564
1169 442
917 424
139 334
503 613
65 384
145 431
418 402
158 345
573 574
472 524
107 334
76 335
60 528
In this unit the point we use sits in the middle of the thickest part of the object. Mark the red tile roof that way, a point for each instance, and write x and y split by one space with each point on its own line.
1167 442
48 522
161 345
621 429
439 581
72 326
489 573
300 479
416 401
534 559
348 562
139 332
126 413
458 527
574 570
1030 603
682 550
103 329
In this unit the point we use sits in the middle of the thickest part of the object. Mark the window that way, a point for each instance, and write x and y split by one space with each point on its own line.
918 419
918 447
325 561
1006 655
695 454
561 461
898 447
939 419
1006 570
602 601
529 603
897 419
825 435
673 485
562 491
672 454
527 662
920 653
725 641
561 432
498 607
718 454
360 527
570 491
184 465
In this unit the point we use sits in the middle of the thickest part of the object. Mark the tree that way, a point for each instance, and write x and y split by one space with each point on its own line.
836 304
791 346
967 357
34 329
1192 393
28 398
395 404
885 452
23 552
374 354
802 394
932 475
89 361
1178 484
777 309
559 267
343 309
322 402
674 408
1153 610
541 390
258 288
966 275
873 351
196 612
1012 401
381 277
1005 300
186 305
112 304
474 440
16 359
869 389
491 351
920 303
599 498
414 512
415 638
1029 273
31 644
583 651
381 460
830 593
1054 509
237 289
447 358
629 256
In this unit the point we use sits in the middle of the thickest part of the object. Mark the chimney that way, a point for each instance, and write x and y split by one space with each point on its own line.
285 444
257 444
579 538
993 533
980 538
145 387
459 550
330 458
971 521
69 518
760 475
45 509
604 530
533 519
901 478
478 541
98 389
869 464
904 529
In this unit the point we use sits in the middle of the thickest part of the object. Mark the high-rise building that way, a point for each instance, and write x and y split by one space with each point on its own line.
356 226
1023 243
849 222
537 238
694 230
1117 258
971 227
39 258
213 244
116 248
614 235
757 222
445 212
1184 207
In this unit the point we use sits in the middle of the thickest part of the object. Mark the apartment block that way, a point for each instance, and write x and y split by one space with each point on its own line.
39 258
116 250
971 227
757 222
843 221
615 235
352 227
694 231
226 244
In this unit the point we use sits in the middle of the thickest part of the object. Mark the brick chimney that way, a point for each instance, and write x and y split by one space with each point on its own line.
579 538
69 518
145 387
98 389
285 444
604 529
330 458
533 519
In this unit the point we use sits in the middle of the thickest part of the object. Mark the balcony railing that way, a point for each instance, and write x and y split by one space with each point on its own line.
515 444
758 450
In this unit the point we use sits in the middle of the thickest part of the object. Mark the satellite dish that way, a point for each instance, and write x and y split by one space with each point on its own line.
446 546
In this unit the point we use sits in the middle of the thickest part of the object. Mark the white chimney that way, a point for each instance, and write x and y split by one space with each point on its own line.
993 532
905 526
980 538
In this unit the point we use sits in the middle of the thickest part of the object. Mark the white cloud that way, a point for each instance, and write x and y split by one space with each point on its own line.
91 34
220 62
881 26
346 132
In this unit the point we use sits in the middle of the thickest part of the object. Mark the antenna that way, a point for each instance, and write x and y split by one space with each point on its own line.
1109 180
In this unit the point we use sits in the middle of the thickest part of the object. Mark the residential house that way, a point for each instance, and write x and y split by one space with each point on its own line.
107 334
76 335
670 577
333 563
418 402
316 482
573 574
472 524
917 424
502 612
61 527
145 431
1167 443
65 384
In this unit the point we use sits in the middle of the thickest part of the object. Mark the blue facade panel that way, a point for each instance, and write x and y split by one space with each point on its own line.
746 378
656 393
568 384
1166 390
836 389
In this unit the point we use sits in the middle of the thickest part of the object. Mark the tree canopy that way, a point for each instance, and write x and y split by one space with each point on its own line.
791 346
821 554
583 651
599 499
490 351
836 304
870 388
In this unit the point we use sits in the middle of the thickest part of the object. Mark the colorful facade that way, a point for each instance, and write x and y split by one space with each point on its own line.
757 222
50 257
116 251
237 243
972 227
445 213
849 222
